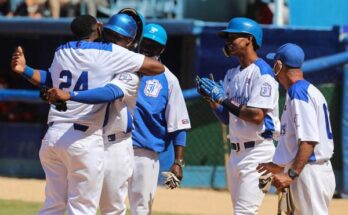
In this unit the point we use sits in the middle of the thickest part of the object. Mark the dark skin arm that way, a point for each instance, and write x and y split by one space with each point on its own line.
306 148
179 155
252 114
266 168
151 67
18 64
249 114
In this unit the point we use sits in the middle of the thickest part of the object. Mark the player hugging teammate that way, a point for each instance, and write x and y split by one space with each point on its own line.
91 156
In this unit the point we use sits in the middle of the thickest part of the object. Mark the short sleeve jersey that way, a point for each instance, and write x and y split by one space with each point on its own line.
160 110
305 118
84 65
253 86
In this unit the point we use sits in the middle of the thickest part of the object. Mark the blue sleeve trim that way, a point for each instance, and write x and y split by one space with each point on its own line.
299 90
99 95
222 114
179 137
45 78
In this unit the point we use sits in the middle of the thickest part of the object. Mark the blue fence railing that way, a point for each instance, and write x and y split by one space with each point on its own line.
309 66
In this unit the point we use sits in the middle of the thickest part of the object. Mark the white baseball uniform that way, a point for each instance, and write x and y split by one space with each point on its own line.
253 86
306 118
72 150
119 157
160 110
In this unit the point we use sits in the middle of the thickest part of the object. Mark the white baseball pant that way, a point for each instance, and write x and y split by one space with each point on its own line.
243 179
313 190
73 163
143 183
119 163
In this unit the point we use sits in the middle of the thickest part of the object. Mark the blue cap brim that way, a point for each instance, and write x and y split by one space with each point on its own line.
270 56
224 33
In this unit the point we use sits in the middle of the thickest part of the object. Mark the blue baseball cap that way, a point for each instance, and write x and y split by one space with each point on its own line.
289 54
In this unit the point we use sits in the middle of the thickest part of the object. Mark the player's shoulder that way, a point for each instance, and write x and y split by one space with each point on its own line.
300 90
263 68
86 45
169 75
171 78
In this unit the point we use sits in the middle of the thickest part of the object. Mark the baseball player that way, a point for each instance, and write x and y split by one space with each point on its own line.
248 102
72 150
161 117
118 160
305 147
150 135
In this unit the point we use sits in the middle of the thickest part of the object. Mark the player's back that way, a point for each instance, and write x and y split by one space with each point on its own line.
86 65
160 110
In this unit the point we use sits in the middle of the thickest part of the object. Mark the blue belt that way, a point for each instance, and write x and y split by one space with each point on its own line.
236 146
77 126
113 137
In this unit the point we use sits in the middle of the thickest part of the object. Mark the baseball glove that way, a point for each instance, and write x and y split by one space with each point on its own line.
171 181
265 182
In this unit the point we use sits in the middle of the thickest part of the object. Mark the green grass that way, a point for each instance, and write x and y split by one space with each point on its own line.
10 207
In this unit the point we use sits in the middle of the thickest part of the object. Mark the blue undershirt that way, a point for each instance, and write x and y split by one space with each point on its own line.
179 137
222 114
99 95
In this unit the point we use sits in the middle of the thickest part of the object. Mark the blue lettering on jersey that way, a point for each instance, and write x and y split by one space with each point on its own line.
240 100
149 114
81 83
299 90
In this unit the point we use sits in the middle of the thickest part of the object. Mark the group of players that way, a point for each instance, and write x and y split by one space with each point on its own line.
94 152
105 144
247 101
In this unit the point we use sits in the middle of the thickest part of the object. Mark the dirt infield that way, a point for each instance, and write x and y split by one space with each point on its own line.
186 201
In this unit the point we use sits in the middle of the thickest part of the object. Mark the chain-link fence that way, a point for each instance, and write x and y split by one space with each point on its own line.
205 148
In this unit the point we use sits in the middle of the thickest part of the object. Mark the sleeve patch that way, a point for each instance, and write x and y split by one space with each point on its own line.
266 90
125 77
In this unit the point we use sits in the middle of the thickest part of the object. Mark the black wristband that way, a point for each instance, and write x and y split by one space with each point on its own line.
234 109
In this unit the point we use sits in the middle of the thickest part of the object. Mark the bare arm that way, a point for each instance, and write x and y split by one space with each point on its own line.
304 153
252 114
179 155
18 65
151 67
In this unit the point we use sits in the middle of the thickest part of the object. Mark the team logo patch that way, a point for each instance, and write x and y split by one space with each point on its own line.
125 77
266 90
153 30
152 88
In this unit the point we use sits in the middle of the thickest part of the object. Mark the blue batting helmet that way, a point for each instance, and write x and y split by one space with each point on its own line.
156 33
122 24
244 25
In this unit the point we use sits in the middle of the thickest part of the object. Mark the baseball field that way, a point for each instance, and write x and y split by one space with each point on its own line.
25 196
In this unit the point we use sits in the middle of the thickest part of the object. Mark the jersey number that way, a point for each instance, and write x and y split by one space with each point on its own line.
81 83
327 122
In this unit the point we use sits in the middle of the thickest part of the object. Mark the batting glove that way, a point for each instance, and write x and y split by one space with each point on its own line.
213 89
